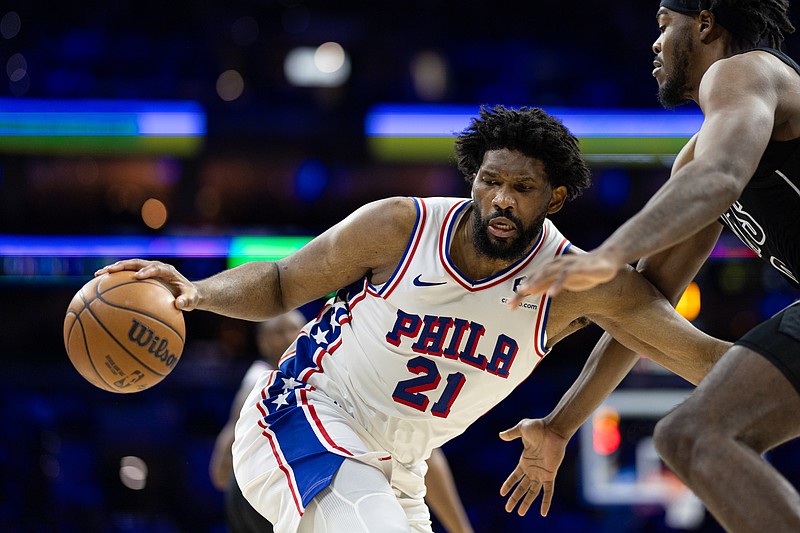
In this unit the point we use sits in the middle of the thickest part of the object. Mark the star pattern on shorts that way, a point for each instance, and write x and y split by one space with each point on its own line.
321 336
290 383
282 399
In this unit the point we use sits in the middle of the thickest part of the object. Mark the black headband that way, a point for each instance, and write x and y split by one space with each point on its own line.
730 20
687 7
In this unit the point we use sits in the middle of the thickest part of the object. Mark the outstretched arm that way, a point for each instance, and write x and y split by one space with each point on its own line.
637 314
369 242
670 272
726 151
545 440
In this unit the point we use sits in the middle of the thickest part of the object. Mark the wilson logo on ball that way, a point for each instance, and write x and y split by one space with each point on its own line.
158 347
124 334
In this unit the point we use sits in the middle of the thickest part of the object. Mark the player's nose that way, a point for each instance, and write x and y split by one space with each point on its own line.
504 198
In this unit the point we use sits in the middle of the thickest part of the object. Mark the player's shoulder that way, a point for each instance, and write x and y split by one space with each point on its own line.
399 215
750 57
386 222
752 67
412 209
743 84
391 211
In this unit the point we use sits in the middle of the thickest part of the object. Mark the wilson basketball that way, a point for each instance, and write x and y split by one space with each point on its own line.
124 334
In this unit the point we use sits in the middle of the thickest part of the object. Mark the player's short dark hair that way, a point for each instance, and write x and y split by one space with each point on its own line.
530 131
766 20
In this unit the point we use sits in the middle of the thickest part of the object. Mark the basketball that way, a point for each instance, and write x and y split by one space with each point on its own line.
124 334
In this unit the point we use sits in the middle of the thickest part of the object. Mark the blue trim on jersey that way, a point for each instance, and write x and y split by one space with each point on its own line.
323 332
409 244
312 464
545 349
449 235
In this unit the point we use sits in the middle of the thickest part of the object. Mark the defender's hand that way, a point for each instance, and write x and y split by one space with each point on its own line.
572 272
542 455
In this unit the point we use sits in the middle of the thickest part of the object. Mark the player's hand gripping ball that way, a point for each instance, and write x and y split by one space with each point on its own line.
124 334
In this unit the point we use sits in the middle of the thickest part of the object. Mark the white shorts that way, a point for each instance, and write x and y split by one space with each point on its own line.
290 441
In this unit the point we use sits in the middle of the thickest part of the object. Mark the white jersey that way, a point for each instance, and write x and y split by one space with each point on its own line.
419 358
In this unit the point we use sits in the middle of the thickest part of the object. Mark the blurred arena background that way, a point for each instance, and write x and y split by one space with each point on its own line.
210 133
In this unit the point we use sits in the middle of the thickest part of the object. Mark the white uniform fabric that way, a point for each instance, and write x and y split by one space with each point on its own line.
358 500
386 373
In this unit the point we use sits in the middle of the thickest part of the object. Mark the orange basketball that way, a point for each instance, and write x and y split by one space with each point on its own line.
124 334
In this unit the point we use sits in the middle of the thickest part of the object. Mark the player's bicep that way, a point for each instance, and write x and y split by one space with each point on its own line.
739 115
370 240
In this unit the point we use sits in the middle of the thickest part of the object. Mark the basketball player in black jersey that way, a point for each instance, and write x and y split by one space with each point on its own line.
742 169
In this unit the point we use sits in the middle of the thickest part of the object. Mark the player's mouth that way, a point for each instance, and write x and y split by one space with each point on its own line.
658 65
502 228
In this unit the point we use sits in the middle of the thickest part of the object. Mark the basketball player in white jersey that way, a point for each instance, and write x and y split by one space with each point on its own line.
418 341
273 336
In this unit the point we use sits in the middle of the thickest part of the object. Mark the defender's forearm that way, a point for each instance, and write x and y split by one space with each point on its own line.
605 368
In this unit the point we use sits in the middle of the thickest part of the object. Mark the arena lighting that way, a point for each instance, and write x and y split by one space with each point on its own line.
629 472
327 65
606 437
241 247
690 302
244 249
39 257
98 127
112 246
425 133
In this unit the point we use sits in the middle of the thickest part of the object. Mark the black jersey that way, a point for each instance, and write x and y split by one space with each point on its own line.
767 215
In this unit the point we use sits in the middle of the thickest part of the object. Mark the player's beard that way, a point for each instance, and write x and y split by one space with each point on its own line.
672 92
506 250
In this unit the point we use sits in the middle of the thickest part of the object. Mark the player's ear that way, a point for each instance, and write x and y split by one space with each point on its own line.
557 199
709 29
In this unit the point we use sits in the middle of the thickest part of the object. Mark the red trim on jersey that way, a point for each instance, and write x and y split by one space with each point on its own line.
444 257
560 251
286 469
416 237
368 290
323 311
312 412
333 347
307 372
353 301
539 331
264 397
282 465
287 355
